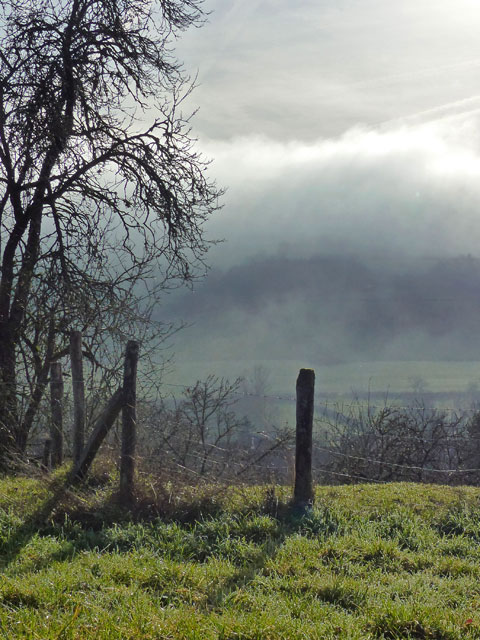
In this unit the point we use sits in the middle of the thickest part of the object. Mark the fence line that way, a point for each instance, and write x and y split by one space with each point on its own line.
394 464
229 463
207 460
317 471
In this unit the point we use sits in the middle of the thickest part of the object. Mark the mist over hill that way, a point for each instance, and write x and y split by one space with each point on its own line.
362 247
334 308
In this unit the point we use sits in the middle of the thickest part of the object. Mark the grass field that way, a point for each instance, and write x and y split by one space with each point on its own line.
359 377
450 385
369 561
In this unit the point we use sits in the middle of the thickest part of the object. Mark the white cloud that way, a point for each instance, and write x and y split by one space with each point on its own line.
413 189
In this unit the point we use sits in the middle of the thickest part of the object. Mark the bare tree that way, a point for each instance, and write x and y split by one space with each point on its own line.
106 317
198 431
391 443
205 434
84 184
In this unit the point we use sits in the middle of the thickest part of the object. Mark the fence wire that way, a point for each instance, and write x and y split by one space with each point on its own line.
359 465
386 463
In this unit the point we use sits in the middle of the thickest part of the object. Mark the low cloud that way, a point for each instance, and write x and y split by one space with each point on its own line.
348 137
361 247
388 193
335 309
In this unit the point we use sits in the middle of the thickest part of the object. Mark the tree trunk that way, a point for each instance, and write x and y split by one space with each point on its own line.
129 421
15 285
78 388
42 373
56 432
8 397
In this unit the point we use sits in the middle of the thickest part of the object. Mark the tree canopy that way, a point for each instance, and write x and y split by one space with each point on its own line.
101 187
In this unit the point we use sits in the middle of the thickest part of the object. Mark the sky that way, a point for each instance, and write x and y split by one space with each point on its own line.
340 128
322 116
314 69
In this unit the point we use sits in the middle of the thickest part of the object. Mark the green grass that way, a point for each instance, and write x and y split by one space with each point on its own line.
381 561
376 376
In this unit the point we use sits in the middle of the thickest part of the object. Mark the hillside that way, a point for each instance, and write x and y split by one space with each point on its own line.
332 309
370 561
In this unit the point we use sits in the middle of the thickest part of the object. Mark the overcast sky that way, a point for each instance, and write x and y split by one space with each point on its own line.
335 118
315 68
340 127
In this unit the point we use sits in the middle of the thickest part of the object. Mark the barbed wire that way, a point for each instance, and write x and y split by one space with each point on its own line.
225 463
286 468
439 439
339 410
318 470
394 464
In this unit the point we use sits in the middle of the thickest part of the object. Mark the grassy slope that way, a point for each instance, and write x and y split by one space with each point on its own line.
377 561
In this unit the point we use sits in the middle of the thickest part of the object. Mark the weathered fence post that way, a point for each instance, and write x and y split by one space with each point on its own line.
78 389
129 421
102 426
303 492
56 399
47 455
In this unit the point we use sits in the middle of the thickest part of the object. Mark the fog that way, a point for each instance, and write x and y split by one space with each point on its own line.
394 192
361 247
347 136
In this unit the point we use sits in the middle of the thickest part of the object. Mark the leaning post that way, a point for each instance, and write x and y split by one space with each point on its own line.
56 401
78 388
303 492
100 429
129 421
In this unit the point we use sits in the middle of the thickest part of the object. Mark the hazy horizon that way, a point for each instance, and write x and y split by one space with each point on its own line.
348 138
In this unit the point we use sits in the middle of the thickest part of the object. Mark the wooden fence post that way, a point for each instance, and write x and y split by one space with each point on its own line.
78 389
47 455
129 421
56 399
102 426
303 492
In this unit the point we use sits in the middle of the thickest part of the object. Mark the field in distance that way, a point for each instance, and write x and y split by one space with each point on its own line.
357 377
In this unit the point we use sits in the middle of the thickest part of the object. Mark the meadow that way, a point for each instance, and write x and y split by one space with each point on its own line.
443 384
343 378
368 561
